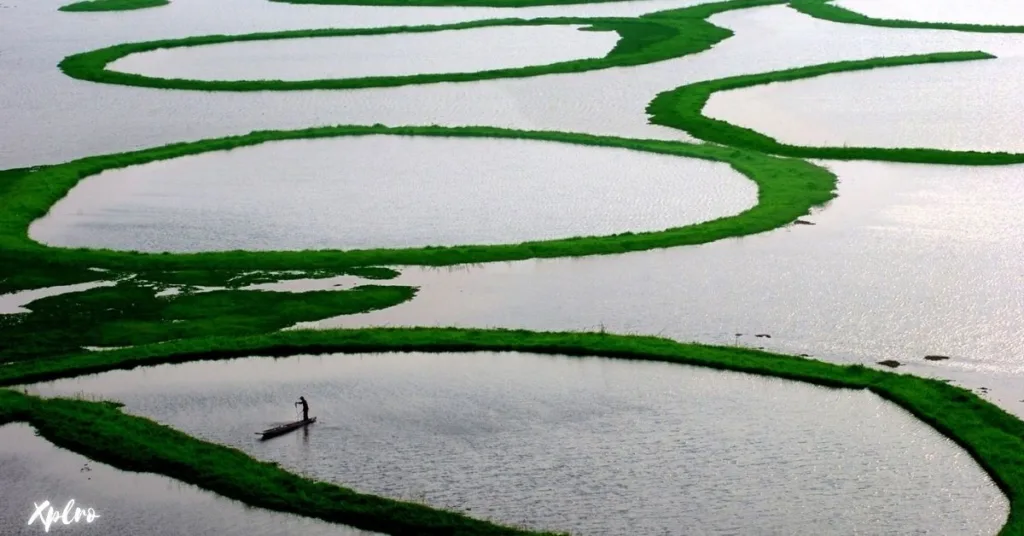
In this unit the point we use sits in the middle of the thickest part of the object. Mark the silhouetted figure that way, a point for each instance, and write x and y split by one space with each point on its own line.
305 408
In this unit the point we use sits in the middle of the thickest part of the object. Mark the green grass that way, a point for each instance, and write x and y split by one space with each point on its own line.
826 10
652 38
101 432
787 190
682 108
130 314
113 5
992 436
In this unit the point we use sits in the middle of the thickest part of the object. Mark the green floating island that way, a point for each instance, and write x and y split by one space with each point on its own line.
102 432
682 108
647 39
113 5
826 10
787 189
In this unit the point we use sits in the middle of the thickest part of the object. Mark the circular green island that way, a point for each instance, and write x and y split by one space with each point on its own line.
994 438
682 108
647 39
787 190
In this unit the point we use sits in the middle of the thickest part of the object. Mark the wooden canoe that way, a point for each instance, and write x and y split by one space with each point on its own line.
285 428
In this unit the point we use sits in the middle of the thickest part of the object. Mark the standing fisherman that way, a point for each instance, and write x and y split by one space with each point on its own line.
305 408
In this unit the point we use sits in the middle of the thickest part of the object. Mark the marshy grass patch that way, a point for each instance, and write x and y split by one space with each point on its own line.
112 5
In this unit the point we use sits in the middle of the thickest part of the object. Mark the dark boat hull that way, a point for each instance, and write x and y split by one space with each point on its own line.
285 428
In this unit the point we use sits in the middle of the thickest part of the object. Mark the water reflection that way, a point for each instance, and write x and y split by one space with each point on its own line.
966 106
592 446
901 265
129 504
390 191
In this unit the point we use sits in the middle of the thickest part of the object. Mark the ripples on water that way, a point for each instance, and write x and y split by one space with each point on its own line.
889 107
594 446
128 504
901 265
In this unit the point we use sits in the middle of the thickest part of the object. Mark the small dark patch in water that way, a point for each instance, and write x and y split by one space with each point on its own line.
891 363
936 357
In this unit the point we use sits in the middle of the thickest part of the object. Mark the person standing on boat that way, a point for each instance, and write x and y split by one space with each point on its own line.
305 408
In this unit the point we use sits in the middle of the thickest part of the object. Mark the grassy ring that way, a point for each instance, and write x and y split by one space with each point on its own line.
787 190
682 108
647 39
993 437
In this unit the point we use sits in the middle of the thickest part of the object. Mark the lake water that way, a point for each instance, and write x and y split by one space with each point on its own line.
454 51
15 302
900 266
889 107
593 446
61 123
128 504
969 11
390 191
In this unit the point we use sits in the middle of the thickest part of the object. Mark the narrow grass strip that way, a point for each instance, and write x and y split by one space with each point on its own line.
656 37
787 190
112 5
993 437
826 10
683 107
101 432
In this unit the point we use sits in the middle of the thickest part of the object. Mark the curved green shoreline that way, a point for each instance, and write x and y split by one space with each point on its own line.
112 5
993 437
787 190
682 108
826 10
647 39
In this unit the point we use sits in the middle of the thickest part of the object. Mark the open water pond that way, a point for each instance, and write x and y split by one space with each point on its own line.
588 445
453 51
964 106
60 123
128 504
903 264
999 12
389 191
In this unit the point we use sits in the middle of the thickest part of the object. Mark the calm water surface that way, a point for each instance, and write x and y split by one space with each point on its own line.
61 123
902 265
969 11
129 504
595 446
965 106
390 191
454 51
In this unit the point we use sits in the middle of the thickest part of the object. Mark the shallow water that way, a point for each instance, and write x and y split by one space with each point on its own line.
390 191
902 265
374 55
969 11
595 446
61 123
889 107
15 302
34 470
